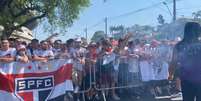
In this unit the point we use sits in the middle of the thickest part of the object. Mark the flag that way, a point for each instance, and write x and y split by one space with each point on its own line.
27 82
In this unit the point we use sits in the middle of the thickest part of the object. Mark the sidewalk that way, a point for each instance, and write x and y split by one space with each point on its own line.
165 98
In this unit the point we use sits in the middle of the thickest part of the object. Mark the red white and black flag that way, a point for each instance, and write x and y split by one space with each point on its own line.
35 81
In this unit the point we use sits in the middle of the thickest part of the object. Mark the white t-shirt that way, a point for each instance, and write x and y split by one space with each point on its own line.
7 67
160 62
133 63
108 58
123 55
147 71
56 51
81 52
9 52
45 53
146 68
41 53
35 52
72 52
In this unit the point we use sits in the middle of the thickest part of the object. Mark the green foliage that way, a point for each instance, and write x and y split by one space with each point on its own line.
98 35
119 31
197 15
59 13
160 19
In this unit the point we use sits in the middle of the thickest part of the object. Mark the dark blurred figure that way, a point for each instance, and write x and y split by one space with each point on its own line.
186 57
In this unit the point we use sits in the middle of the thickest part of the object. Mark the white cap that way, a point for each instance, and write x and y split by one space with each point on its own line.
21 47
78 39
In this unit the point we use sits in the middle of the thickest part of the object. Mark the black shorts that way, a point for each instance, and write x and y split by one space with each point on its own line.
107 73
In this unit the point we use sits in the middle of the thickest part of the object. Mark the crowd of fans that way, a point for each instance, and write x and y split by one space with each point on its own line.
114 62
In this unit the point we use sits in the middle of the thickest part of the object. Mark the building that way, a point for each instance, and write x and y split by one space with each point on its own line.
23 33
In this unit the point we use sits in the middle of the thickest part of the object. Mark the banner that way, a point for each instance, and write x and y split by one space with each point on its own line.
35 81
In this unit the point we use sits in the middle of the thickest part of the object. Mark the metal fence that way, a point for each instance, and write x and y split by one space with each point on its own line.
130 76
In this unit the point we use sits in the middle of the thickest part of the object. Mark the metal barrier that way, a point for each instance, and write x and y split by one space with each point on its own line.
108 77
87 84
100 79
121 77
130 74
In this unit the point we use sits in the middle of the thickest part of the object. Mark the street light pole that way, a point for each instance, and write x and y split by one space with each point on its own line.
86 33
106 25
174 10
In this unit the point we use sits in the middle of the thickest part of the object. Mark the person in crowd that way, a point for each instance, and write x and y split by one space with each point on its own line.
22 54
186 57
40 53
63 53
108 76
123 64
33 51
18 41
133 68
71 48
90 70
12 42
57 48
79 60
44 55
7 56
143 50
132 62
177 91
159 65
45 51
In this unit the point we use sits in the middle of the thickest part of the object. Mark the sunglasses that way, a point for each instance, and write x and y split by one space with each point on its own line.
22 49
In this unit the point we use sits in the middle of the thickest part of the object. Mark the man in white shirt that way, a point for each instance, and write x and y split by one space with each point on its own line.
7 56
57 48
33 51
45 52
42 54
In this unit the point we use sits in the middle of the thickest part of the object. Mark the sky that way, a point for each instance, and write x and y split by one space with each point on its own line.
92 17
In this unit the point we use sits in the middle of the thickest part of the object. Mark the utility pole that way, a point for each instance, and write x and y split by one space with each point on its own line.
106 25
86 33
174 10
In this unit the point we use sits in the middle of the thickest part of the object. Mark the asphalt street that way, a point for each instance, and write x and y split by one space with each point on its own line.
164 98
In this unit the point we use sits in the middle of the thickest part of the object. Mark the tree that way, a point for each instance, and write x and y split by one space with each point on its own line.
197 15
117 31
161 19
59 13
98 35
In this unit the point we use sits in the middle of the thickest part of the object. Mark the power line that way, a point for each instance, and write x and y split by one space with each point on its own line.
96 24
135 11
162 9
142 9
129 13
125 14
